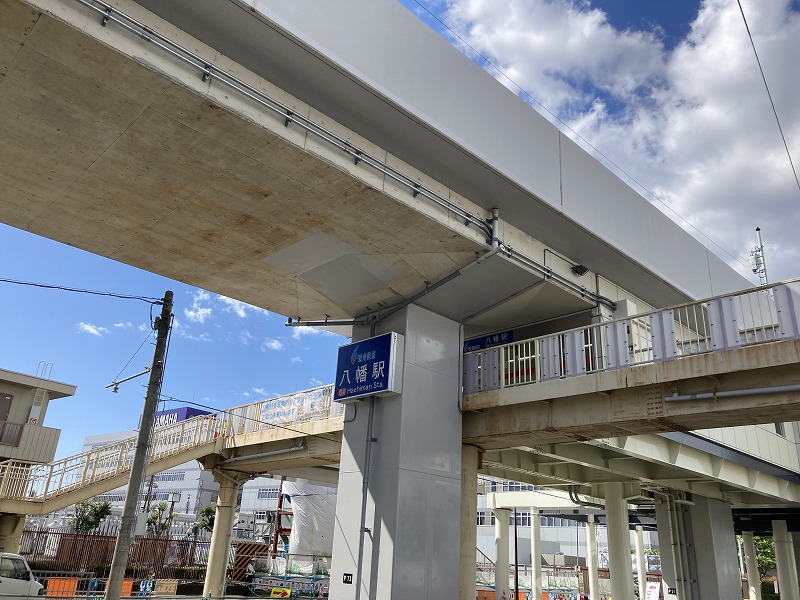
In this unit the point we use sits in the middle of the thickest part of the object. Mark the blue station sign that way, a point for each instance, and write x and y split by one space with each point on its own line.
488 341
371 367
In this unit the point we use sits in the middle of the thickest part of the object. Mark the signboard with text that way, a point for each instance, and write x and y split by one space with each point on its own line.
488 341
371 367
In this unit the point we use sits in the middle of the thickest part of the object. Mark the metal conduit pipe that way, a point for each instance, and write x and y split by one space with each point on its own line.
209 70
674 543
300 446
375 317
573 496
778 389
548 273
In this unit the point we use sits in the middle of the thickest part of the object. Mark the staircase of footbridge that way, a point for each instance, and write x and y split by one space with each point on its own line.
581 407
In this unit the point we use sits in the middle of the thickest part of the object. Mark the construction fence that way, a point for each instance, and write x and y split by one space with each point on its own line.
77 565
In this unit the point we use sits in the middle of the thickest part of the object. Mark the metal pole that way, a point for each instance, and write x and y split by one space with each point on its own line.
516 556
122 549
763 258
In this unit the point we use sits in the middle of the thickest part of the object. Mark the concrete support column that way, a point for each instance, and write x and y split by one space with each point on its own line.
784 560
536 553
11 527
711 548
641 561
591 560
398 509
796 542
619 542
470 456
751 564
221 536
501 570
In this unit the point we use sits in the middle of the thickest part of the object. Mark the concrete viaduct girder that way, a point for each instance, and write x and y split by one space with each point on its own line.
111 144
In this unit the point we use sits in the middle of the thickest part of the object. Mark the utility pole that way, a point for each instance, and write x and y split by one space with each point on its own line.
120 562
758 261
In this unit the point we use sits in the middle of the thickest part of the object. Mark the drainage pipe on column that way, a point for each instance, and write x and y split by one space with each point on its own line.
591 558
641 563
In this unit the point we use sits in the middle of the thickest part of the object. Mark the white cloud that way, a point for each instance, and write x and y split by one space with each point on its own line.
271 344
300 332
693 125
260 391
126 325
245 337
234 306
186 335
315 382
296 359
96 330
198 313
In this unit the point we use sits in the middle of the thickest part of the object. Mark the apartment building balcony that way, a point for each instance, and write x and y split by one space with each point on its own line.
27 442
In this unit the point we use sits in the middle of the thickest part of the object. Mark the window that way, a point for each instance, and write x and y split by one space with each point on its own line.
159 497
260 516
780 429
267 493
111 497
170 476
14 568
485 517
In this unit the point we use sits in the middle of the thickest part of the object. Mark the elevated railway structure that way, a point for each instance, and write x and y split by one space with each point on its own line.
577 425
370 178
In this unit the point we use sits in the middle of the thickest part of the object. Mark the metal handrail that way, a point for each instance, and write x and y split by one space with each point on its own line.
757 315
37 483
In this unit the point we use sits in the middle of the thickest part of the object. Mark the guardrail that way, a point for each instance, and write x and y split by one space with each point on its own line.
760 315
24 481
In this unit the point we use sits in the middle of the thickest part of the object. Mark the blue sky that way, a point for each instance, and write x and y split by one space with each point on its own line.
221 354
669 91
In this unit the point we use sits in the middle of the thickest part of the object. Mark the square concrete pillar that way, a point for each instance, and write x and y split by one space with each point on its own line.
399 502
715 549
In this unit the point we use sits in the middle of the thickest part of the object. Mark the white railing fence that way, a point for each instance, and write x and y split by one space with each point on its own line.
23 481
759 315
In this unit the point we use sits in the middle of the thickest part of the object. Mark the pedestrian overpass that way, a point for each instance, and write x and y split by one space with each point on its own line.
266 153
578 423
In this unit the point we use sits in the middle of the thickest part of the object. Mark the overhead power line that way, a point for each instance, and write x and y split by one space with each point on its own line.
769 94
147 299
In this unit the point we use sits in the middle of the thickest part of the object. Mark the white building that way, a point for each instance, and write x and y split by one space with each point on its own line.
195 487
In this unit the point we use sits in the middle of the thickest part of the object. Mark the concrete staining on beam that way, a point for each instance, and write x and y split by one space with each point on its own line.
149 165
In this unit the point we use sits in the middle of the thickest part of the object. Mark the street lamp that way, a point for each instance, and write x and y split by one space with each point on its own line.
173 498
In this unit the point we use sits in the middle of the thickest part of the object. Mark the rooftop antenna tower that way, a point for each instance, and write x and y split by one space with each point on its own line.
757 261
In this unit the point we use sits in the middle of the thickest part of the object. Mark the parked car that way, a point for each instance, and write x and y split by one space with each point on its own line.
16 579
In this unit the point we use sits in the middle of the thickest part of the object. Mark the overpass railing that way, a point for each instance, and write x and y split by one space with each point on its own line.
37 483
760 315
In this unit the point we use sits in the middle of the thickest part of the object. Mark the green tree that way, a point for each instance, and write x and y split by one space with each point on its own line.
158 521
206 517
89 514
765 555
